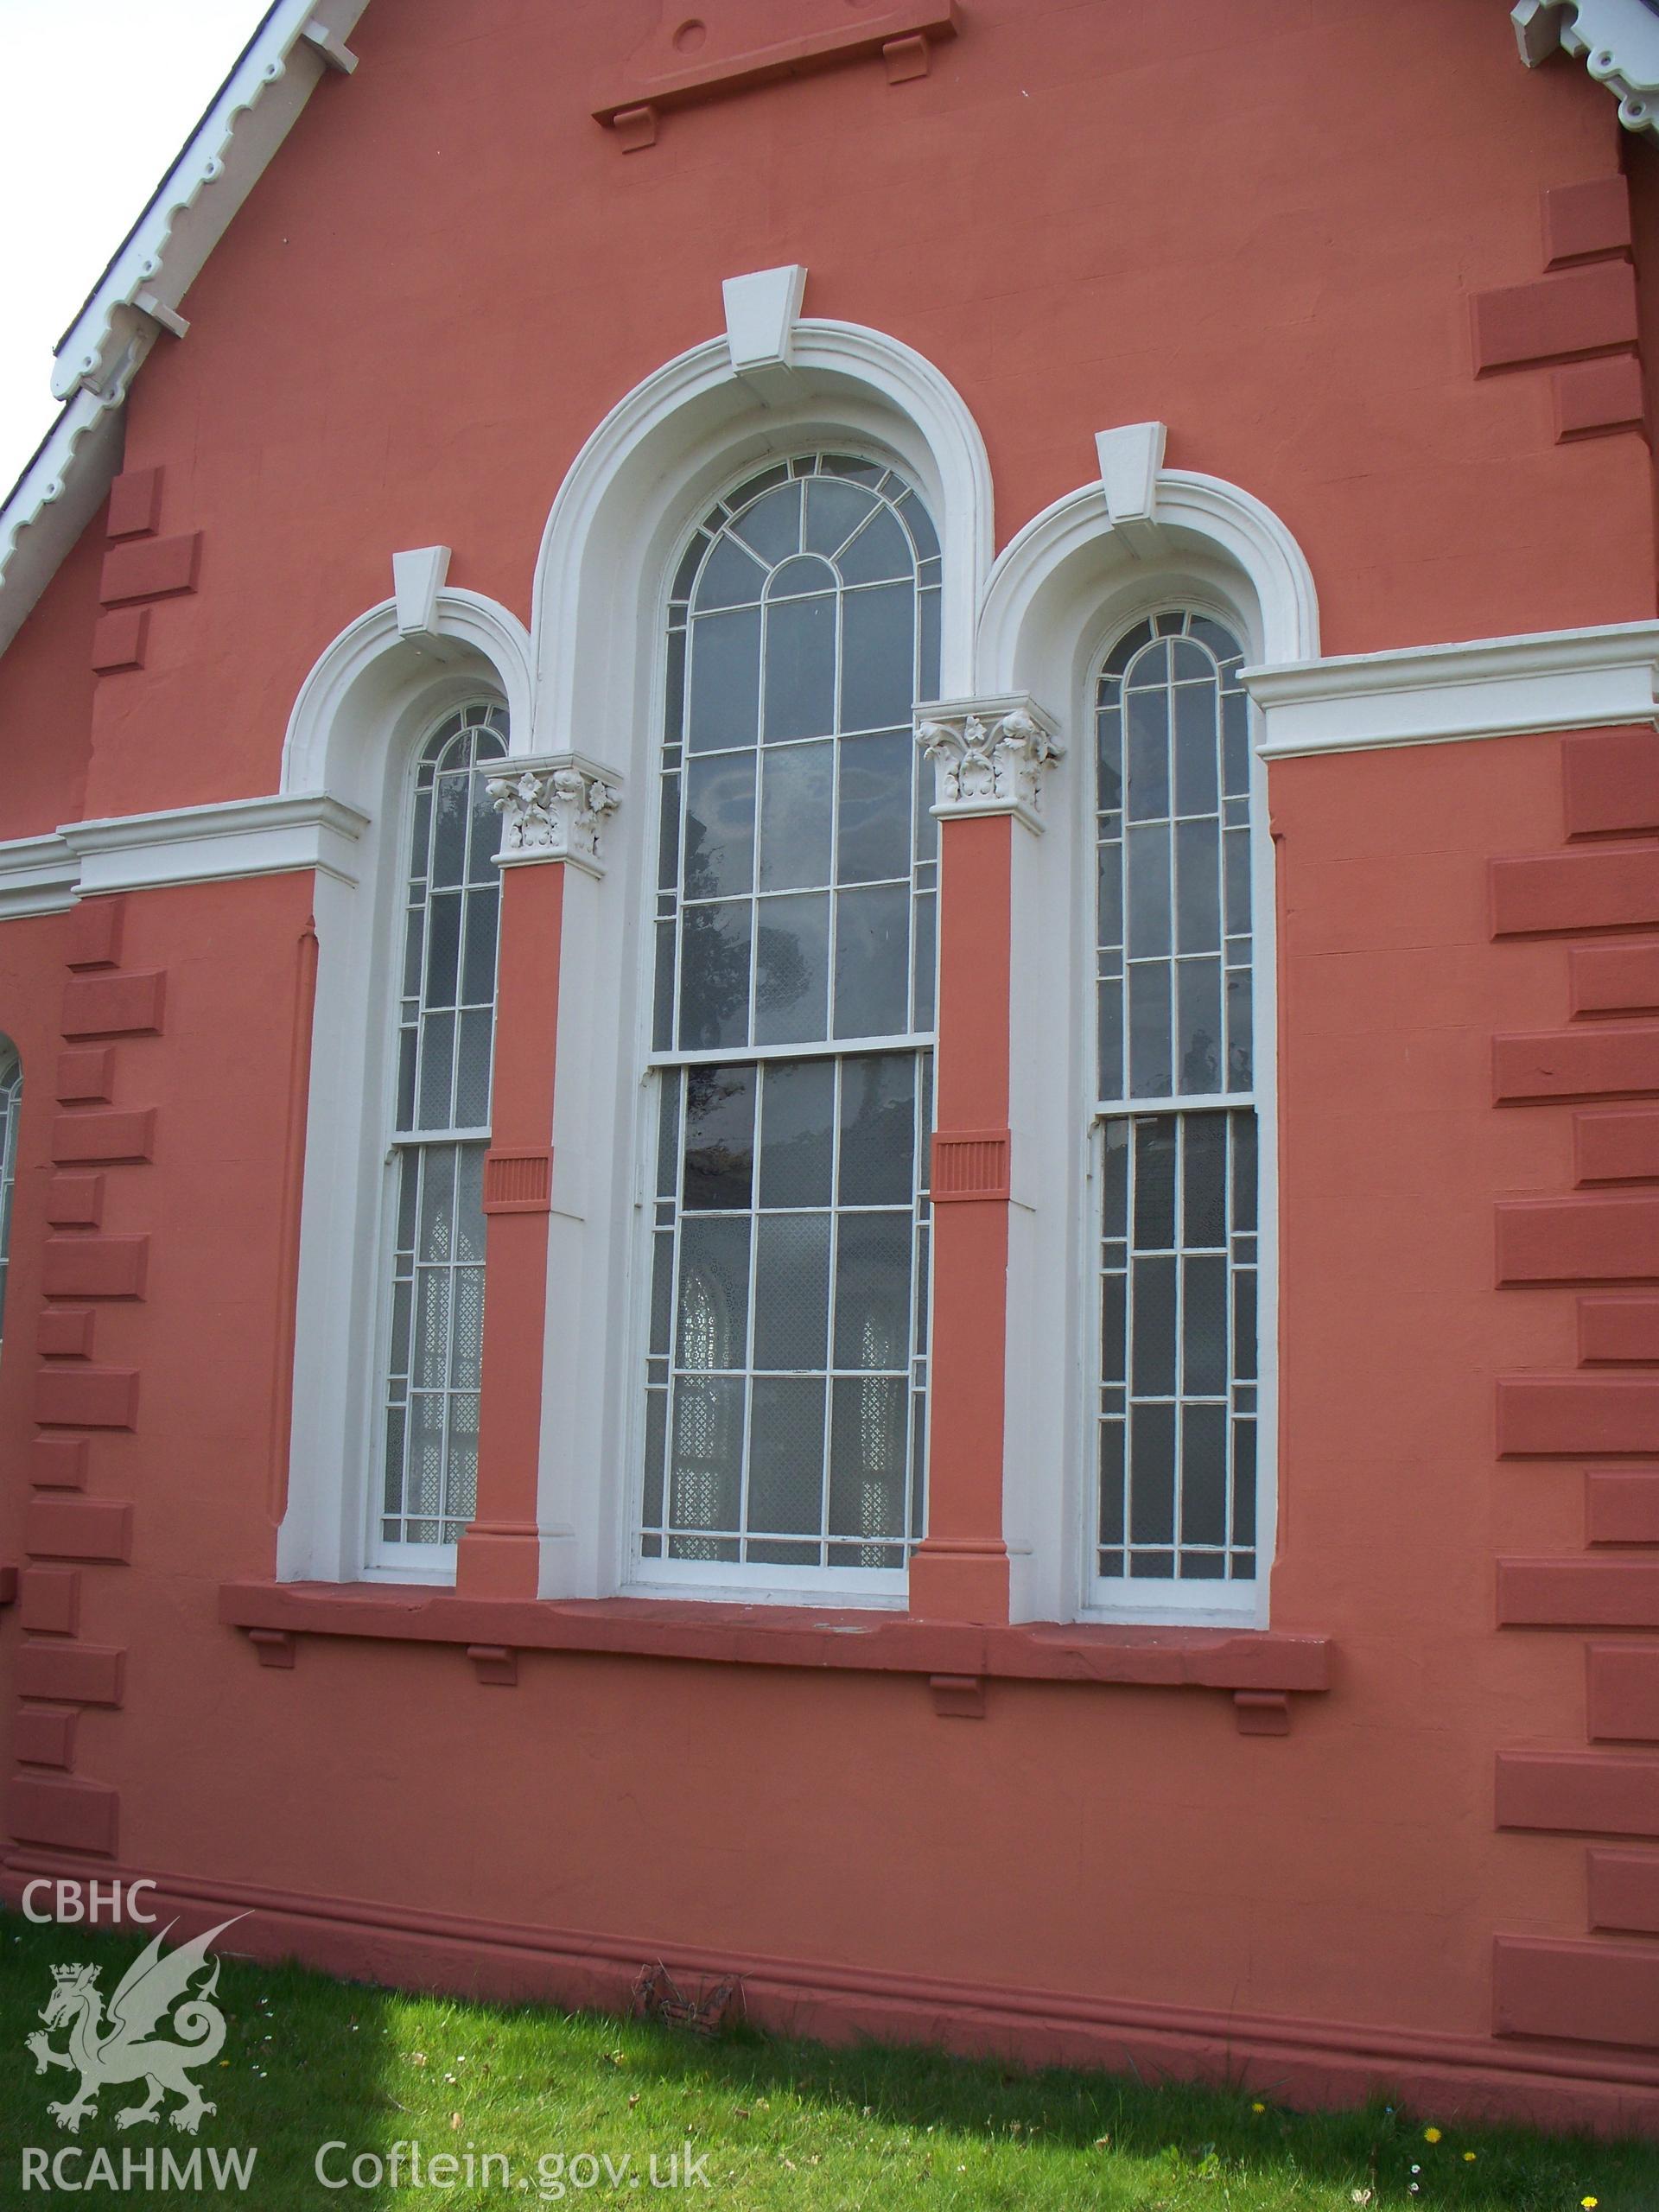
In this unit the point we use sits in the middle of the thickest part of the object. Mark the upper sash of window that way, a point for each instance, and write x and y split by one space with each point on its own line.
1173 944
797 853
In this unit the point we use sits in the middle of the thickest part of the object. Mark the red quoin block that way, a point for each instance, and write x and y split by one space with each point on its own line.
58 1462
64 1332
1622 1147
1575 311
86 1076
86 1397
136 500
150 568
110 1136
114 1006
1621 1505
1578 1593
1581 220
1622 1692
1610 780
44 1735
1614 978
1578 1240
75 1201
1596 887
1623 1888
1557 1415
94 930
1585 1993
71 1674
118 641
78 1528
94 1267
1600 1792
1617 1329
1593 1062
48 1599
1592 399
73 1815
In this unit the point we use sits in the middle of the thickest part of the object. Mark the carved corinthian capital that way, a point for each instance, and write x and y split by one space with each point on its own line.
552 810
990 756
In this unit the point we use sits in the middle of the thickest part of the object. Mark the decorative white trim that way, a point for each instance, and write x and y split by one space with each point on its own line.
1619 40
205 844
990 756
187 844
38 875
761 312
1130 459
338 732
416 579
1209 540
138 297
552 810
1484 687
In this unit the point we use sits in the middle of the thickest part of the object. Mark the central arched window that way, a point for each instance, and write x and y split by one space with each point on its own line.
440 1130
11 1098
793 1010
1176 1117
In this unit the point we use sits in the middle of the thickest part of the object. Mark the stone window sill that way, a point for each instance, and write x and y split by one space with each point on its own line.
1259 1668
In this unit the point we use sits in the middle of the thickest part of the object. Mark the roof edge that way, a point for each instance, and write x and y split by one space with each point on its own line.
138 297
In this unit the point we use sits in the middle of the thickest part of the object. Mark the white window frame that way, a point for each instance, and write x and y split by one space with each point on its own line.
1197 1602
716 1582
11 1088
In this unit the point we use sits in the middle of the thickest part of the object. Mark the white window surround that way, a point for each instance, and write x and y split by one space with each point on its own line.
1063 590
373 696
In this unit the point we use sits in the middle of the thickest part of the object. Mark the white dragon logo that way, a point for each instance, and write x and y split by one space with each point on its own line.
123 2047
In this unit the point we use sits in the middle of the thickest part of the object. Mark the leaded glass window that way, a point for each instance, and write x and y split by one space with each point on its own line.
1176 1108
786 1368
440 1134
11 1099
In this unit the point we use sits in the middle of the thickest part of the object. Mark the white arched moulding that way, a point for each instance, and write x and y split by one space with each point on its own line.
775 385
1076 576
372 694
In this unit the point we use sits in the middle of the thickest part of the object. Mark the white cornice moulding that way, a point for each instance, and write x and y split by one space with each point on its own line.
189 844
1486 687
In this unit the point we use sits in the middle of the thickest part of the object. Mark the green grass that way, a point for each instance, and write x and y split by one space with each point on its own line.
776 2123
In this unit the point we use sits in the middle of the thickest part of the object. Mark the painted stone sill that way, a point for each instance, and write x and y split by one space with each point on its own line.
1260 1667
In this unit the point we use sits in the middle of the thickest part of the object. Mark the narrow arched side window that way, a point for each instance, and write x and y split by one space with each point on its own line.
440 1133
1176 1119
793 1013
11 1099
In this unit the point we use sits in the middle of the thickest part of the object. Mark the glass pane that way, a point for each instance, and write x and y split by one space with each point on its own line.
797 1133
834 510
786 1455
725 680
1148 737
772 524
792 968
875 807
706 1474
800 668
720 826
882 550
731 577
878 1122
718 1137
791 1290
871 961
878 653
713 1329
796 817
873 1254
714 976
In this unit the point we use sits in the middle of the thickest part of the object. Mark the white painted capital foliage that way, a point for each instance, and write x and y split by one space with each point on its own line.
552 811
990 756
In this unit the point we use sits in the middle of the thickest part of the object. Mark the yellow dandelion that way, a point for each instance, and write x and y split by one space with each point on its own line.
1468 2157
1258 2107
1431 2135
1589 2203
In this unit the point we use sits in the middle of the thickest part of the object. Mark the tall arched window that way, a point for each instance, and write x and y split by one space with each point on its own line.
1176 1115
11 1098
786 1369
441 1129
